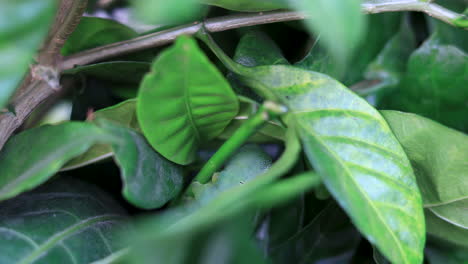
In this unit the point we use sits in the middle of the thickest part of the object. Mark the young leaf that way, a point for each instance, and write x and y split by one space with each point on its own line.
248 5
92 32
24 24
63 221
183 102
149 180
438 155
351 146
33 156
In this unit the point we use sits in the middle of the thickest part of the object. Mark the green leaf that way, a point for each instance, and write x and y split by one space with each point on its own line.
33 156
455 213
340 24
117 71
149 180
381 27
435 84
328 238
355 152
93 32
63 221
248 5
167 12
194 102
445 230
352 147
123 114
438 155
438 252
255 48
24 25
387 69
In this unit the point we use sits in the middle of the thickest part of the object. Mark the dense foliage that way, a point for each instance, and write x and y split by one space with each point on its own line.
313 131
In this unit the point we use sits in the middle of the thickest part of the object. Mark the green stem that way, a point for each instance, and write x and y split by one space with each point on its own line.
233 66
235 141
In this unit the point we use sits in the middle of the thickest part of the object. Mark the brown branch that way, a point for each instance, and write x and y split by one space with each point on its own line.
35 88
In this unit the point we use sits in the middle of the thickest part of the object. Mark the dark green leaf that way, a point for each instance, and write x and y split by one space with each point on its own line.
117 71
340 24
381 28
23 26
92 32
33 156
438 155
455 213
435 84
389 66
439 252
149 180
248 5
183 102
328 238
255 48
445 230
64 221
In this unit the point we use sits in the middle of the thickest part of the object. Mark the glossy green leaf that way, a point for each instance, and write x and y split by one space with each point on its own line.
248 5
117 71
328 238
63 221
351 146
340 24
93 32
353 149
444 230
33 156
183 102
435 84
23 26
123 114
438 154
149 180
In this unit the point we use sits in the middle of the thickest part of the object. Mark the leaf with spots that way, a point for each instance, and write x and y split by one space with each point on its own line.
352 147
183 102
63 221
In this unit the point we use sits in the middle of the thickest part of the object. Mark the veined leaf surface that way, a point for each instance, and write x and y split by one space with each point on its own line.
183 102
352 147
63 221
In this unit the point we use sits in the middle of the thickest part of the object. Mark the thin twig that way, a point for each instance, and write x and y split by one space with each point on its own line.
242 20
